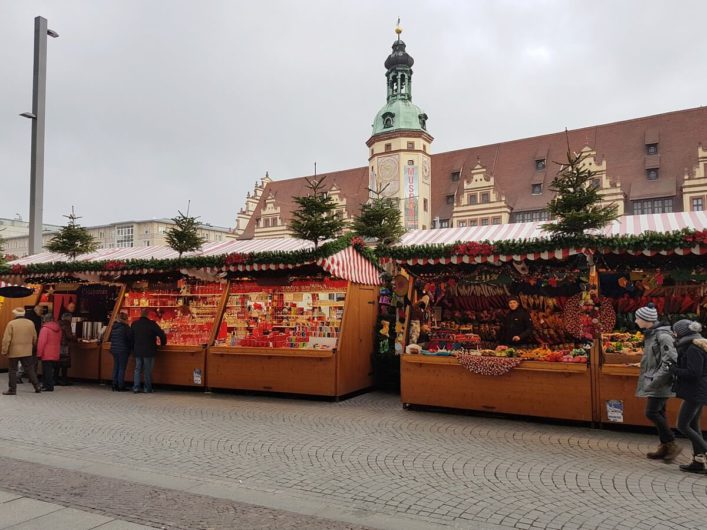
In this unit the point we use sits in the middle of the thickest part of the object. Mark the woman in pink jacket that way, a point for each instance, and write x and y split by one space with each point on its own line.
48 348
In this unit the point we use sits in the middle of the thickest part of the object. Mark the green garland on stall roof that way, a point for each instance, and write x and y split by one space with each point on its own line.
655 241
276 257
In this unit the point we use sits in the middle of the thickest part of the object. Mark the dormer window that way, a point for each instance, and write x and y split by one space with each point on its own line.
651 149
472 199
485 197
388 118
540 164
652 174
450 199
455 176
536 189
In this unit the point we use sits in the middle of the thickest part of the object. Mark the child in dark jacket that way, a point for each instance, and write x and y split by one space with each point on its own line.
691 386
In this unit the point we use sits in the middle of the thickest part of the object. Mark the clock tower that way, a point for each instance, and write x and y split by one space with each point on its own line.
399 149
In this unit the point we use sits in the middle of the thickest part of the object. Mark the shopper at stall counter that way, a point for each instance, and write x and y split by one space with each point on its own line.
67 338
121 344
146 332
48 350
691 387
18 342
654 380
517 327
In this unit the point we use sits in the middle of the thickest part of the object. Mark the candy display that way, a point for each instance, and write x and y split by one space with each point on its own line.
302 314
184 309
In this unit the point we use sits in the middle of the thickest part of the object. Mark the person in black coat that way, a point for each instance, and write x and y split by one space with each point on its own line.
517 327
146 332
691 387
121 344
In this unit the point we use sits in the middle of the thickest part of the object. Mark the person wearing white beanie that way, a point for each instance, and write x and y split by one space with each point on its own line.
654 380
691 387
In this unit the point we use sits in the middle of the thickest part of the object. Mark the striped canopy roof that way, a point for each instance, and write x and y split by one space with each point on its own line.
626 225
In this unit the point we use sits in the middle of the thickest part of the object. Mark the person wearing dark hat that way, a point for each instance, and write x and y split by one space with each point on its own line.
18 343
654 379
691 387
517 327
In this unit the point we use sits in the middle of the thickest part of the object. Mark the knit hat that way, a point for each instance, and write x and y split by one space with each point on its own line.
647 313
683 328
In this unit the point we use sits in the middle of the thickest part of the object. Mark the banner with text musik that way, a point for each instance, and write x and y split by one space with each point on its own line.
411 192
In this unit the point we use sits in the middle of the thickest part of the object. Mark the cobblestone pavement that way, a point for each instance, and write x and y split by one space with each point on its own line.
362 460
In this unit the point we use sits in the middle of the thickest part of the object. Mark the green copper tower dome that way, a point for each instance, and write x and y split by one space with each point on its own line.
399 112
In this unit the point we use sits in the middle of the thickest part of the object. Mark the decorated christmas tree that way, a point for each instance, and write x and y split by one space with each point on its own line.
379 219
577 206
73 239
184 236
316 218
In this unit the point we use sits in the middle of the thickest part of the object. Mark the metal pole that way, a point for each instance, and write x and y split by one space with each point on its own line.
36 189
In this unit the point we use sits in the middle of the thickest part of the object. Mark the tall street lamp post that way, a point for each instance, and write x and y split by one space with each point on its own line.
39 91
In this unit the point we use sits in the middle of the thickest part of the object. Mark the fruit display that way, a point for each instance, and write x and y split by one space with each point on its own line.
622 343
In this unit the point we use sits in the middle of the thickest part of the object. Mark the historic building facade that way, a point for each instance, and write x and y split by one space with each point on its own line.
654 164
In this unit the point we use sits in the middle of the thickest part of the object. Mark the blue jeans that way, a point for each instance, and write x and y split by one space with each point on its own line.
146 363
120 362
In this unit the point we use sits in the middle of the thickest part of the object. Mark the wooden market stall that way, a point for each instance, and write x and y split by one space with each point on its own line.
599 390
296 327
6 307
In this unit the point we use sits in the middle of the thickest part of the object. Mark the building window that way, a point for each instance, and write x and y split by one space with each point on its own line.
444 223
496 221
455 176
536 189
124 236
461 224
473 222
531 216
424 148
540 164
411 162
450 199
411 145
652 149
388 147
371 151
472 199
663 205
485 221
594 183
424 205
485 197
652 174
147 243
697 204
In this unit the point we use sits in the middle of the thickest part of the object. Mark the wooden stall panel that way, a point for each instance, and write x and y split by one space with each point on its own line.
619 383
6 307
356 344
85 361
174 365
296 373
561 392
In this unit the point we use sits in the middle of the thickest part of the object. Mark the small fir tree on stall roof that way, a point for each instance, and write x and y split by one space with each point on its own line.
316 218
577 206
184 236
379 218
73 239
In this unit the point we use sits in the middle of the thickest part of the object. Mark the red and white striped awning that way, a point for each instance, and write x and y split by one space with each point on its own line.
347 264
626 225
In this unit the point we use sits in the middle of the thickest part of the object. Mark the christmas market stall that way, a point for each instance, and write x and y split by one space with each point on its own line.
13 296
295 319
503 325
666 267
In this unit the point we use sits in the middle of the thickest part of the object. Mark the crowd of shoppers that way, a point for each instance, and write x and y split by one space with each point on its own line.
34 335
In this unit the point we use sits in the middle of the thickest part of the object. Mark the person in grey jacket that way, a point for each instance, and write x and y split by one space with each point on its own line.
654 379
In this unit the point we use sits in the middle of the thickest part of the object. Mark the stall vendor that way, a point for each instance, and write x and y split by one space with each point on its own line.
517 327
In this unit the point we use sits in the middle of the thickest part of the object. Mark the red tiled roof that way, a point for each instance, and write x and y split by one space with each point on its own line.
621 144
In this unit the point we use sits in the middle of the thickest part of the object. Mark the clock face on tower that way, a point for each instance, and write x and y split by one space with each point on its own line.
389 175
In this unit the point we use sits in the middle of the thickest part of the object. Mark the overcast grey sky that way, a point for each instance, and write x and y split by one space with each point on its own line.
152 103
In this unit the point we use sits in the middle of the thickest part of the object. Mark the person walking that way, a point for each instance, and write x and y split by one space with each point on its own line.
691 387
654 379
35 315
18 343
121 344
48 351
146 332
67 339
